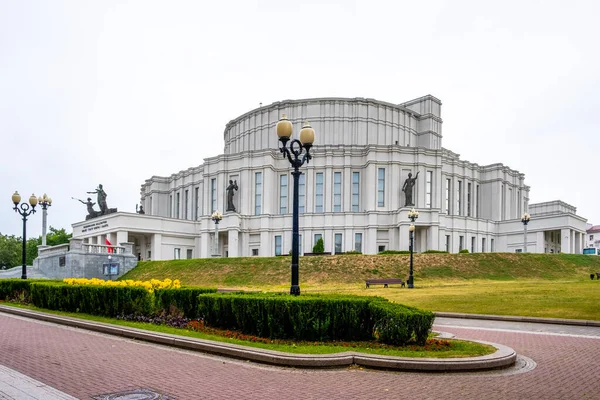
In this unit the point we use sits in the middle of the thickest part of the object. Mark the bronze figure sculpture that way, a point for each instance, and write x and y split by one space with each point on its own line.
232 186
407 188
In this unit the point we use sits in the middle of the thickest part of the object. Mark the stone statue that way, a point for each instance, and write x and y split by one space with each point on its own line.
101 199
90 208
407 188
139 210
232 186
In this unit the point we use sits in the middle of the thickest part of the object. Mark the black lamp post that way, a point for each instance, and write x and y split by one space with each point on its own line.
525 220
297 159
44 202
413 215
25 210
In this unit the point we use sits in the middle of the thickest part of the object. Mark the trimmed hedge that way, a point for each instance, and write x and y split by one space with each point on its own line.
316 317
184 300
10 288
108 301
394 252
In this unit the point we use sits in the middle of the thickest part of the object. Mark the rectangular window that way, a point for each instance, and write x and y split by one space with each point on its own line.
591 237
380 248
149 210
448 243
477 201
316 238
255 252
458 197
177 254
338 243
519 204
178 204
380 187
196 202
189 254
358 242
492 249
213 195
257 193
461 242
355 191
186 204
283 194
278 245
299 245
509 203
472 244
301 193
483 245
468 199
337 192
319 192
170 206
448 196
502 203
428 189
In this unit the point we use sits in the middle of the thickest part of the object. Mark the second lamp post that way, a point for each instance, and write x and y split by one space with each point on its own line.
525 220
295 156
25 210
412 215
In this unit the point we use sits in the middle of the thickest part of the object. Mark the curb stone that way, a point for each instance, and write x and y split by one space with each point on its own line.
512 318
503 357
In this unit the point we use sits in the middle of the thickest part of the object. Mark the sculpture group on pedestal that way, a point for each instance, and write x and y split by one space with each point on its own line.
101 203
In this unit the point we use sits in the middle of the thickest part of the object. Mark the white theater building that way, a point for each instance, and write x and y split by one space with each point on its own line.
349 194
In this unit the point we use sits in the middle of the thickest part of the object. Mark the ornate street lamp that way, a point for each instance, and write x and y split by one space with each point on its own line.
412 215
216 217
525 220
44 202
295 156
25 210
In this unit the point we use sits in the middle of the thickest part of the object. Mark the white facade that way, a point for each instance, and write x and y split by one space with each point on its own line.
593 238
350 192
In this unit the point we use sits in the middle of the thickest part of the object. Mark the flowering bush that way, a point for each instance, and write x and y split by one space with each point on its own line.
150 285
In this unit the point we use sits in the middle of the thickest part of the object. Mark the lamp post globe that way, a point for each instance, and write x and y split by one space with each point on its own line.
525 220
297 153
44 201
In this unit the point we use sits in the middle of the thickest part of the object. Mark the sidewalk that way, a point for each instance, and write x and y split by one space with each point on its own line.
16 386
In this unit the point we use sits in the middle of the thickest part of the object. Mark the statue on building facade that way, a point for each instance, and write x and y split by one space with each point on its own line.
407 188
232 186
140 209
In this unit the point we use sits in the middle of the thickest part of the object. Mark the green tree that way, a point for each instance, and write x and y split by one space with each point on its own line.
11 247
319 247
10 251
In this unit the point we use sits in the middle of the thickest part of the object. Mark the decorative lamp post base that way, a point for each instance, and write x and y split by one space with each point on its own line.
295 290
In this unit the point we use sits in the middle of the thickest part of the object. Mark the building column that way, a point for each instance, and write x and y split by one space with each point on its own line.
157 247
122 237
404 236
233 245
565 241
370 241
265 244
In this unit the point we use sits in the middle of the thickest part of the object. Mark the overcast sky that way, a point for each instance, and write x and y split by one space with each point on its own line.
114 92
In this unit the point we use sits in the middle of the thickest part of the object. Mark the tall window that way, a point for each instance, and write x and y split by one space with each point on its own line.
458 196
468 199
461 243
502 203
277 245
448 196
428 189
355 191
177 254
213 195
196 202
472 244
477 201
178 203
483 245
283 194
358 242
301 193
337 191
257 193
300 245
319 192
448 243
519 213
492 247
510 202
338 243
186 202
170 206
380 187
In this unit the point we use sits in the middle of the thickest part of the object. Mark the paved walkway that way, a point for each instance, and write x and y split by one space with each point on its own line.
87 365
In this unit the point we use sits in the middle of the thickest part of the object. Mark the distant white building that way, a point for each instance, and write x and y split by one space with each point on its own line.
593 238
349 194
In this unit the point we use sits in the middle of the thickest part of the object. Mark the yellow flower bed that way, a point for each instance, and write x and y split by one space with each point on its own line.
150 285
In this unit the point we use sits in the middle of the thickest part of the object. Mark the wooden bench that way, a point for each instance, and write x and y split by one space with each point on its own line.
384 282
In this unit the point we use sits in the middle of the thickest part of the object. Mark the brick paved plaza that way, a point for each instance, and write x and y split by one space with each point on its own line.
85 364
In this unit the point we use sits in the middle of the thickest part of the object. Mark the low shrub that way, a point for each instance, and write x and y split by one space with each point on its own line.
319 247
463 251
314 317
394 252
182 301
435 252
108 301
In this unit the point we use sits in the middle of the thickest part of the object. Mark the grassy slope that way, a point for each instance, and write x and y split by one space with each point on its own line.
260 272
